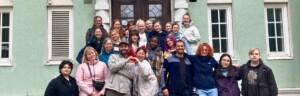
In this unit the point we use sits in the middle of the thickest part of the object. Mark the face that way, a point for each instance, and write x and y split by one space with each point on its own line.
90 55
225 62
170 42
141 55
132 27
108 45
254 56
66 70
149 25
123 49
204 51
117 25
114 35
186 20
168 27
154 43
180 47
141 27
157 27
175 28
98 21
98 33
134 38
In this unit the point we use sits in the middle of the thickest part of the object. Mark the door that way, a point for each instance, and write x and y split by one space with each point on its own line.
126 10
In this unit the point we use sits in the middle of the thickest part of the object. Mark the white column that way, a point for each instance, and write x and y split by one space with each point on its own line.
180 8
102 9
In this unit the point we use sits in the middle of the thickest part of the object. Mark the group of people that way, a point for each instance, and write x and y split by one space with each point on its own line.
145 60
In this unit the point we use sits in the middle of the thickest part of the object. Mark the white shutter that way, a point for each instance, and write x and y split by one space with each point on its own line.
59 34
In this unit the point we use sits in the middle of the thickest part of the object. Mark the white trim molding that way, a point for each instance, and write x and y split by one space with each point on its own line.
63 50
60 2
218 1
289 92
228 26
276 1
6 3
286 51
6 61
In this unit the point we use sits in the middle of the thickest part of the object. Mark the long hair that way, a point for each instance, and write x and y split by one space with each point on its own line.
209 48
84 58
231 68
173 39
133 33
94 24
104 42
120 31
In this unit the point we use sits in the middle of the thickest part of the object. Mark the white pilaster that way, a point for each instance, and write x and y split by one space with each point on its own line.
102 9
180 8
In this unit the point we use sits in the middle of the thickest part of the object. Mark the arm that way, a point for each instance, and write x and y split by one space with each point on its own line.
79 79
51 88
163 76
114 64
272 84
145 70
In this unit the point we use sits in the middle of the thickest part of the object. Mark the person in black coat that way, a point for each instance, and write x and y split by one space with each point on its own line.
64 84
257 78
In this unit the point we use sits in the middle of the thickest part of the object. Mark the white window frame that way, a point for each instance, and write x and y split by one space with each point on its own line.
286 54
7 61
230 45
50 61
218 1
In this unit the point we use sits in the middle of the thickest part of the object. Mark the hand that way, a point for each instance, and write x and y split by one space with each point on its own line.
165 92
94 93
102 92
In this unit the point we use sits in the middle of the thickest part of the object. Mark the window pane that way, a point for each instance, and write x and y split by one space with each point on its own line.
223 15
270 15
223 30
214 16
271 29
278 14
272 44
215 30
224 45
280 44
127 11
5 19
5 35
4 51
279 29
155 10
216 45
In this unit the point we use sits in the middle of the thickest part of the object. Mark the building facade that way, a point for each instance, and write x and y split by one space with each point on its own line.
37 34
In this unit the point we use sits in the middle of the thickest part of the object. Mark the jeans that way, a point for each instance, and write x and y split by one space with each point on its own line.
207 92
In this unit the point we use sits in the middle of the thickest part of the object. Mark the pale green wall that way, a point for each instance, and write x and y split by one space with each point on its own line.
249 31
29 75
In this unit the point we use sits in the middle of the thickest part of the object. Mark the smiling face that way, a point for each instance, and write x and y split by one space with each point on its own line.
180 47
141 54
98 33
154 42
170 43
175 28
157 27
204 51
134 38
117 25
90 54
66 70
149 25
114 35
108 45
98 21
186 20
225 62
168 27
123 49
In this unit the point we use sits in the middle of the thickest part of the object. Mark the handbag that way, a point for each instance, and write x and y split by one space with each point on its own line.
98 85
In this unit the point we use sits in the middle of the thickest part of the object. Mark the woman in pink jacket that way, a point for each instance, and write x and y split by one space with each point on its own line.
90 69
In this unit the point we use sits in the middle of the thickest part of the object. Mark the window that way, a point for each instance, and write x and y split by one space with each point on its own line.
277 33
60 31
5 36
220 29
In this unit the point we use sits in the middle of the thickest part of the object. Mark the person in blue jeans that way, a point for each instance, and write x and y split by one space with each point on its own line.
203 64
177 73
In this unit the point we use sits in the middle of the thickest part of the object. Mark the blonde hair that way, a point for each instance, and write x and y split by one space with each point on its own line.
84 58
140 21
252 50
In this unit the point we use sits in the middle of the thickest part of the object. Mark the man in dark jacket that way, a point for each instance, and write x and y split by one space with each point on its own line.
257 78
176 78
